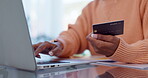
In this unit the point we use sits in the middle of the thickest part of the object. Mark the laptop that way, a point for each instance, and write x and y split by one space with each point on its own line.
15 43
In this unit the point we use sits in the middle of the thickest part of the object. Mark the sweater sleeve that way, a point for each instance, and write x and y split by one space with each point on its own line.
74 39
136 52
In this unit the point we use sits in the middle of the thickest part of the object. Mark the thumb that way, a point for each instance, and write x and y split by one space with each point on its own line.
91 40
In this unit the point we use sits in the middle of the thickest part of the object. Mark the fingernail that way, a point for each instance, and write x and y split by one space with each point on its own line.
51 53
94 36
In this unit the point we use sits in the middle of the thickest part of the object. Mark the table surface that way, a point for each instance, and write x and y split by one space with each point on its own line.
82 71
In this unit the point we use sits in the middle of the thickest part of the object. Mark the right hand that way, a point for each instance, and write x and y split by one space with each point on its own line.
48 48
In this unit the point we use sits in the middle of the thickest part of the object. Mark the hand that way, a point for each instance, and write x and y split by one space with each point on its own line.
104 44
48 48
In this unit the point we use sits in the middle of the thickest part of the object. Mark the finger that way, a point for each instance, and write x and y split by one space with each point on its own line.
94 43
103 44
35 46
57 51
90 35
98 43
94 36
91 39
48 47
103 47
46 51
40 48
108 38
45 47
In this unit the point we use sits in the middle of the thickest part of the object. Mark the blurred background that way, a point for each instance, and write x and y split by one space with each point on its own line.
47 18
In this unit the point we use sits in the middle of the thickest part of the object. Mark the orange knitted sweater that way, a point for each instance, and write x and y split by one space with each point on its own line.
133 46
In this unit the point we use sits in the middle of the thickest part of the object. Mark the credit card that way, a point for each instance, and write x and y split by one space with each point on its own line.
109 28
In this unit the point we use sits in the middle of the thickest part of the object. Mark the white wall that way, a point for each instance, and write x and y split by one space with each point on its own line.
50 17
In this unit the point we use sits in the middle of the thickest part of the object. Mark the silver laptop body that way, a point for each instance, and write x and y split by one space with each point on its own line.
15 44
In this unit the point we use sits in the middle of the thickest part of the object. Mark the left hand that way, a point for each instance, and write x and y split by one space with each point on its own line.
104 44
